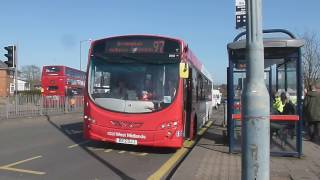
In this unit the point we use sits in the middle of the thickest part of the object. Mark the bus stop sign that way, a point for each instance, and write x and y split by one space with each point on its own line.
241 16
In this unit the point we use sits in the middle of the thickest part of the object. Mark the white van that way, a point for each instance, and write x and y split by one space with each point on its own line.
216 98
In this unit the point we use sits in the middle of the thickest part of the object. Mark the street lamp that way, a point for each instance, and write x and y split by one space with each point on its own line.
86 40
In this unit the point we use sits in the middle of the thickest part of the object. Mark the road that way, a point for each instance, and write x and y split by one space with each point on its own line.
53 148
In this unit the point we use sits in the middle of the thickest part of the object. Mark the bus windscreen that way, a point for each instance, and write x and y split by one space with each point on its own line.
52 69
134 87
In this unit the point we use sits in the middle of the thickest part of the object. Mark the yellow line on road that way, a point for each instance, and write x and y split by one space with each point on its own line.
170 163
205 128
164 169
10 168
22 170
121 152
19 162
78 144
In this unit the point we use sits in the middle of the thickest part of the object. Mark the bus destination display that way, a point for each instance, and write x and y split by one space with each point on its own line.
158 46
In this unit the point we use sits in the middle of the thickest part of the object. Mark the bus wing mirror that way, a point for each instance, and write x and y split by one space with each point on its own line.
184 70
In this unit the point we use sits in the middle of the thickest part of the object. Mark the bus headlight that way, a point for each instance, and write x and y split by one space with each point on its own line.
90 120
175 124
169 125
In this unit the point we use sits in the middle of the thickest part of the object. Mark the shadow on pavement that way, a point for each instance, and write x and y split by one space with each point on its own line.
216 137
217 141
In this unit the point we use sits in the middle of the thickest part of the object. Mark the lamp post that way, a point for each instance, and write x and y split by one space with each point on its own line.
82 41
255 101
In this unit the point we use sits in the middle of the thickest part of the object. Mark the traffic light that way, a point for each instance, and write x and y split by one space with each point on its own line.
11 56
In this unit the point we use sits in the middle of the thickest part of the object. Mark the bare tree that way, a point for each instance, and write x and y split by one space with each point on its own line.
32 74
311 59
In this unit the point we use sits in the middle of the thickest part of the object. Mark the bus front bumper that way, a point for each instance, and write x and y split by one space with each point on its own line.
158 138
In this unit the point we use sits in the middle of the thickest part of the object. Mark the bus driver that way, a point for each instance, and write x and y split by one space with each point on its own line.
121 91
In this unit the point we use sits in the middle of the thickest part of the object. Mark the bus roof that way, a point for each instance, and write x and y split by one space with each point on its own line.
61 66
135 35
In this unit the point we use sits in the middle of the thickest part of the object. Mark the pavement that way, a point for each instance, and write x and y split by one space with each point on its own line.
210 159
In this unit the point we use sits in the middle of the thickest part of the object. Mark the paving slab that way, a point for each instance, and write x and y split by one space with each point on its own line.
210 159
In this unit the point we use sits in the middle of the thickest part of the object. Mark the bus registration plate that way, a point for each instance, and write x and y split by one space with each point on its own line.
126 141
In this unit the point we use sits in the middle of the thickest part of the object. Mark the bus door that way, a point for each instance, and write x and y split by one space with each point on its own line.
188 104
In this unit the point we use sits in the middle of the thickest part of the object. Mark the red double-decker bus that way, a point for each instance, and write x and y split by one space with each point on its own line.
145 90
60 81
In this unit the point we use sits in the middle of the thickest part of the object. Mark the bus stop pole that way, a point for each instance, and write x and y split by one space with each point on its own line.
256 102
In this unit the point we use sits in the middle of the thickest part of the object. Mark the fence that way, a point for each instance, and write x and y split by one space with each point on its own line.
35 105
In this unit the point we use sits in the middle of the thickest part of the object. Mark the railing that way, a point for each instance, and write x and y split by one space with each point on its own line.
36 105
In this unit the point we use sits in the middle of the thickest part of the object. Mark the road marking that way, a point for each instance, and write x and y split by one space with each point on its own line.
23 170
10 168
139 154
108 150
187 145
121 152
142 154
78 144
95 149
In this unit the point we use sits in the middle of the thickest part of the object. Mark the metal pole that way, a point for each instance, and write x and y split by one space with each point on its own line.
299 102
15 65
230 99
286 76
270 85
256 103
80 55
81 50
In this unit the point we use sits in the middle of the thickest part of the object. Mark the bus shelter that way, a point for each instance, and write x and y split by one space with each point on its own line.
283 74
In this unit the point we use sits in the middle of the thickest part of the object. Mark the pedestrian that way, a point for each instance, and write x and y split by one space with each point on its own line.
311 113
277 105
288 106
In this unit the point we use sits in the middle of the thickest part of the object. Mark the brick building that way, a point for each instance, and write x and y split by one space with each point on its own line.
6 80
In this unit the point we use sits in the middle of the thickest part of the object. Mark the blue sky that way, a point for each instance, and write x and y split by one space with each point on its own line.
48 32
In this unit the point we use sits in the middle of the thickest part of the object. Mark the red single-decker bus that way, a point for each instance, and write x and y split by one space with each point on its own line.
145 90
